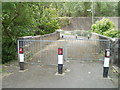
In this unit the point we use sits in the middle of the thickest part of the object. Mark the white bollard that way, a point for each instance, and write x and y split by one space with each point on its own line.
60 60
21 56
106 63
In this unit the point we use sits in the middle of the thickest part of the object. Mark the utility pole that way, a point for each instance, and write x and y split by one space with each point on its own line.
92 11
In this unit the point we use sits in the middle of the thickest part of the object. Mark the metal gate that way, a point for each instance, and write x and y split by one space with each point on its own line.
45 52
86 49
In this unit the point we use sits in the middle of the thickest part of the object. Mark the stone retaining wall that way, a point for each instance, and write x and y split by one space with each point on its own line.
114 47
84 23
51 36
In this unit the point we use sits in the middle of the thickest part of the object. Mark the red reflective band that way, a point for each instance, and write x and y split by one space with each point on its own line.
60 51
21 50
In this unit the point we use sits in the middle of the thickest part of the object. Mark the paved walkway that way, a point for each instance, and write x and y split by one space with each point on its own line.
81 75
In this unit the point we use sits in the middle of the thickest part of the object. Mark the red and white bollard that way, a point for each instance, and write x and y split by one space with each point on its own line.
106 63
21 57
60 60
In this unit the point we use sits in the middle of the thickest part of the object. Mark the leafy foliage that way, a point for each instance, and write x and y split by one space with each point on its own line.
102 26
119 8
48 22
23 19
15 19
106 9
73 9
105 27
84 9
112 33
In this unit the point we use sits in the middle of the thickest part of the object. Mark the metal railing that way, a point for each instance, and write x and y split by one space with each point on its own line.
45 51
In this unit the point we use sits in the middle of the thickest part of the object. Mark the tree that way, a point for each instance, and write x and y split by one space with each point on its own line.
22 19
106 9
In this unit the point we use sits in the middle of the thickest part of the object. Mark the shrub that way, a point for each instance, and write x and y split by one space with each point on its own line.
102 26
112 33
105 27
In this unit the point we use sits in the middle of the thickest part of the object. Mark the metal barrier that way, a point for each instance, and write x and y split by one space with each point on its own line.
86 49
44 52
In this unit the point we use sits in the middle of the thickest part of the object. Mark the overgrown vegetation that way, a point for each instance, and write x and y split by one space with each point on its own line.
83 9
22 19
105 27
112 33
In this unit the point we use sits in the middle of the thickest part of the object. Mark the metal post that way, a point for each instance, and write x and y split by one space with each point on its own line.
65 55
65 50
92 11
18 48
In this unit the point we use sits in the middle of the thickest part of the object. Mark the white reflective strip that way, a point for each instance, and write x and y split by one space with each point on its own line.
21 57
60 59
106 62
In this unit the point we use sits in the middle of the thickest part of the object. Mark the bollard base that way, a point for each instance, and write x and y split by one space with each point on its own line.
23 70
21 65
60 68
105 72
57 74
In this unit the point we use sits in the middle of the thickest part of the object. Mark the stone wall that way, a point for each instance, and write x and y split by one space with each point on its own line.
31 47
84 23
51 36
114 47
